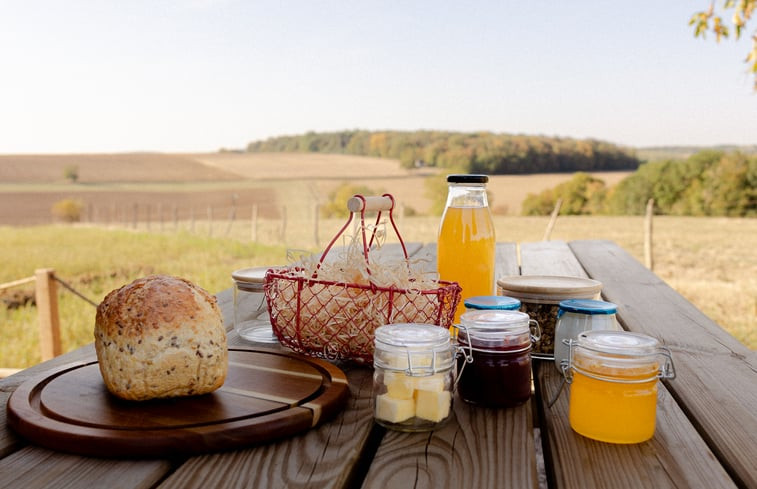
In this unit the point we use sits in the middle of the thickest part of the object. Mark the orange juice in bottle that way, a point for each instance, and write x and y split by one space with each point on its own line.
465 248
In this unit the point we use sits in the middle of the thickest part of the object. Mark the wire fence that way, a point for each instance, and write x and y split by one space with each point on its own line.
46 300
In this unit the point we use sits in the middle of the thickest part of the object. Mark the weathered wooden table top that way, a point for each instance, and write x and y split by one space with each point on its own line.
706 433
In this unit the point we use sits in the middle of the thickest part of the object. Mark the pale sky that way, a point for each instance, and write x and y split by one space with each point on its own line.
198 75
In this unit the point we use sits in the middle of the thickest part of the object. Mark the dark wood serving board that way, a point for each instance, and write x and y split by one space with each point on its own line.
267 395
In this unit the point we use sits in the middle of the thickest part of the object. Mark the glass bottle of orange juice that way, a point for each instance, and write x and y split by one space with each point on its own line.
465 248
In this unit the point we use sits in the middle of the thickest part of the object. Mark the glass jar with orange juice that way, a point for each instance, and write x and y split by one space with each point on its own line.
613 379
465 247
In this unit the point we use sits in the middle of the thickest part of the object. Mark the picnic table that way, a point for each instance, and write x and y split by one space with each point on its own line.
706 433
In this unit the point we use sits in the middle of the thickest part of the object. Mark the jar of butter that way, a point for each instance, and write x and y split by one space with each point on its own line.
413 377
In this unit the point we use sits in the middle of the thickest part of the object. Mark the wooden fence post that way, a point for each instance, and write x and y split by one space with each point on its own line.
552 219
648 258
283 231
254 223
47 313
160 215
232 214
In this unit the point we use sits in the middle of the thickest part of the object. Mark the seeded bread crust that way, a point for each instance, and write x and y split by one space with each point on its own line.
160 336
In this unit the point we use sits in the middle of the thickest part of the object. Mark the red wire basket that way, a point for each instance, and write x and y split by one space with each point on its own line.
337 320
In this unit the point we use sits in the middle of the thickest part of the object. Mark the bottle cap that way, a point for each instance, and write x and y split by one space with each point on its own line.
467 178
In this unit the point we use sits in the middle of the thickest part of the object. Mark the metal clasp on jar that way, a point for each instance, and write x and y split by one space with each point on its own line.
666 370
535 329
460 350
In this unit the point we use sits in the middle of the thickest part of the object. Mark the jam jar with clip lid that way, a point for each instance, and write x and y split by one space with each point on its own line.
496 368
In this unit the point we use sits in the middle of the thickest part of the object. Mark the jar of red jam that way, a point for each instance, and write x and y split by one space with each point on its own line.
496 368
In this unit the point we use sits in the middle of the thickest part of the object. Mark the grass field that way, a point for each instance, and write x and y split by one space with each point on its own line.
711 261
95 261
715 269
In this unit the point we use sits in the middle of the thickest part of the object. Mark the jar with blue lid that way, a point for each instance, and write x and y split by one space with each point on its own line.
575 316
491 302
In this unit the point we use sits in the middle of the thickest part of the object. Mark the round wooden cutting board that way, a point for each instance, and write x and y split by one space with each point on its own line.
267 395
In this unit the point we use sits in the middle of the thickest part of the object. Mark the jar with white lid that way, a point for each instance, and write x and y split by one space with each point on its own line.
496 372
413 377
491 302
578 315
613 379
252 322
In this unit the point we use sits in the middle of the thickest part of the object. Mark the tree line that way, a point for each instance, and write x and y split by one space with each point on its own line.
709 183
479 152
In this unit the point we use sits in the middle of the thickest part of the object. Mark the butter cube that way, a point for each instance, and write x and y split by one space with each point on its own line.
399 385
433 406
434 383
394 410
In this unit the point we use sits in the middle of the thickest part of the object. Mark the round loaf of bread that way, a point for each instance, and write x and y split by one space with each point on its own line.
160 336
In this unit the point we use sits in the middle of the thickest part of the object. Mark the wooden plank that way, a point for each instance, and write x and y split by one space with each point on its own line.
506 258
675 457
482 448
716 375
549 258
323 458
42 469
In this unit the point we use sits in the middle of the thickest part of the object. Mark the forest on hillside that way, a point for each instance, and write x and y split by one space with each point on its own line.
709 183
479 152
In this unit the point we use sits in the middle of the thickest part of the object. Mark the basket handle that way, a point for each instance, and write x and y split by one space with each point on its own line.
370 203
360 203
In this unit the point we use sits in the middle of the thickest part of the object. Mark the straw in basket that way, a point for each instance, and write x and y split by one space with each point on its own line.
337 320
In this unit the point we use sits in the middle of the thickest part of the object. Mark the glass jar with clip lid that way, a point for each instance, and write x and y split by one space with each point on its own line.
413 377
496 372
613 379
577 315
252 322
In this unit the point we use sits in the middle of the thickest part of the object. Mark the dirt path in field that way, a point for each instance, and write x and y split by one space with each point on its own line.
101 168
121 188
32 208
